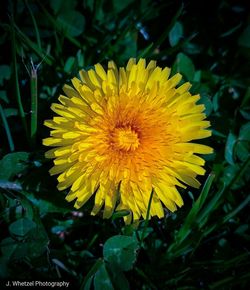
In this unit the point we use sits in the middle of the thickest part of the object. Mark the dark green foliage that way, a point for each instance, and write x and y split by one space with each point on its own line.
205 244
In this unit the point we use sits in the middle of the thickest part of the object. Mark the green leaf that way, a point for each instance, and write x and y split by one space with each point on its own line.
207 102
71 22
120 213
184 66
102 280
21 227
229 148
190 220
8 247
175 34
12 164
117 277
229 174
245 112
203 196
80 58
121 251
86 284
52 205
242 150
4 73
245 132
68 67
210 207
33 245
144 232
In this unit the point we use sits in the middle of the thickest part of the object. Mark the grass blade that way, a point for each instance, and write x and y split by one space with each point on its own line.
147 216
38 39
34 105
148 50
185 230
18 95
48 59
7 129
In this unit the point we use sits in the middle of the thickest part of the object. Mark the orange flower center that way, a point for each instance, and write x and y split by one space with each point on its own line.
125 139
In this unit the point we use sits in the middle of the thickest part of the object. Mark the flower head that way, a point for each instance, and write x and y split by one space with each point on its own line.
122 133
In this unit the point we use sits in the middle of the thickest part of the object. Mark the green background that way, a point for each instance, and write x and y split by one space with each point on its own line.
205 244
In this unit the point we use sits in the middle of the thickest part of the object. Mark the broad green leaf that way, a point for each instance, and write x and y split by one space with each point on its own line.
102 280
32 246
197 76
215 101
80 58
13 212
144 232
246 98
184 66
229 148
121 250
245 132
21 227
228 175
207 102
242 150
12 164
37 241
8 247
245 112
175 34
68 67
71 22
120 213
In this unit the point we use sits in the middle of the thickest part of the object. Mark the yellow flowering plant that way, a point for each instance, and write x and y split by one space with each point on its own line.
123 133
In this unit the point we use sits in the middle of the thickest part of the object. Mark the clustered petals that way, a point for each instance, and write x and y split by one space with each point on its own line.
122 134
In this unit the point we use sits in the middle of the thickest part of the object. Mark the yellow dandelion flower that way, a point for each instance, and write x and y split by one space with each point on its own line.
122 133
